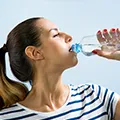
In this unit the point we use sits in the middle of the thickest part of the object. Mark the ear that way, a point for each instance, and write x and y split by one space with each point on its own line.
34 53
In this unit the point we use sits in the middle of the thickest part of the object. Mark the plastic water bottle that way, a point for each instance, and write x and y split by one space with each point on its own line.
86 49
90 43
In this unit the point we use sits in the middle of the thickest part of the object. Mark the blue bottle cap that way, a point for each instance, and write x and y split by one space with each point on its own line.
76 48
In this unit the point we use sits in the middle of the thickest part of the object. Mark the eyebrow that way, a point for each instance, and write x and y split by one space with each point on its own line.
53 29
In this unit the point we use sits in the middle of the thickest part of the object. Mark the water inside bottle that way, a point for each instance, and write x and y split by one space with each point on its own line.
86 49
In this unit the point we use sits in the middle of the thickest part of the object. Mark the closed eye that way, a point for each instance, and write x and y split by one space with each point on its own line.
56 35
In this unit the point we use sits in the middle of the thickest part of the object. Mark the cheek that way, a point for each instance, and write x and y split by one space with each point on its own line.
51 51
60 50
58 47
55 50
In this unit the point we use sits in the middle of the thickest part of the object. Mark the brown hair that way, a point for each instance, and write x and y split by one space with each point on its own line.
23 35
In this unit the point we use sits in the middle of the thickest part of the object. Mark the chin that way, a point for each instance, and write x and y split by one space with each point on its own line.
74 63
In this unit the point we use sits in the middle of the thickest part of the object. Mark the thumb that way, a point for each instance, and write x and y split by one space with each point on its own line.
103 53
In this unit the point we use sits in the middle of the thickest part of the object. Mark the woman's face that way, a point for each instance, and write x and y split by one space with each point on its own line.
55 45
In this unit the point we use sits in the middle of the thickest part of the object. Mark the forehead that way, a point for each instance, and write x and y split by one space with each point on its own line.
46 25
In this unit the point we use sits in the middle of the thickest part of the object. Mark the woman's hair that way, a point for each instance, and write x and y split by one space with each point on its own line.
24 34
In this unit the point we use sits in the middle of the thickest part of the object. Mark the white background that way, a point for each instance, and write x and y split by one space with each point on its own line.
78 18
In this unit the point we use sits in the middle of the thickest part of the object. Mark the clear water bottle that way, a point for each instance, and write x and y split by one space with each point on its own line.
90 43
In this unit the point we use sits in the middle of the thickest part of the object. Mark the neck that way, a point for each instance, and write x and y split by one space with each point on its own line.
48 92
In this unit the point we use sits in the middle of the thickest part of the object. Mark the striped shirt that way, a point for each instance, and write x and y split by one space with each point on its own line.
85 102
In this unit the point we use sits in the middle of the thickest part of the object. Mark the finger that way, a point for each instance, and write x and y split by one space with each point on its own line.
102 53
109 55
118 34
106 35
114 36
113 33
100 38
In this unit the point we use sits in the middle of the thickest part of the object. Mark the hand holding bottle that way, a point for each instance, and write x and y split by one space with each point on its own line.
112 38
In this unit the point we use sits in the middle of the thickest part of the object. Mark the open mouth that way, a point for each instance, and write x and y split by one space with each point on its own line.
70 49
75 48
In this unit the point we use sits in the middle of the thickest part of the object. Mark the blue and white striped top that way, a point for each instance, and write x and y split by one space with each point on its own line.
85 102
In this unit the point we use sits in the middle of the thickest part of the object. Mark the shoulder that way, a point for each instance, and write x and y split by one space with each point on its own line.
7 109
85 88
10 111
96 93
93 90
17 112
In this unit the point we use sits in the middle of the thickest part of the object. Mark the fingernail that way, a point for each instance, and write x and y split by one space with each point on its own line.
113 30
105 30
94 51
99 32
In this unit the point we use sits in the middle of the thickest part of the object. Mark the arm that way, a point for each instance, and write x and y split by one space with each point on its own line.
117 111
112 36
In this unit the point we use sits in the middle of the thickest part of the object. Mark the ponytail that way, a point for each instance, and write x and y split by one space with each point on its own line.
27 33
10 91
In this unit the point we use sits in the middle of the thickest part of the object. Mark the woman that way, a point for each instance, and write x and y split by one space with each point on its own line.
38 51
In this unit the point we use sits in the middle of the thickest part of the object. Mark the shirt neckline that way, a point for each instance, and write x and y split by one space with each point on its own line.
49 113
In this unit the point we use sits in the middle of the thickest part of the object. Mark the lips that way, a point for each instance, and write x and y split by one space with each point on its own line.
70 49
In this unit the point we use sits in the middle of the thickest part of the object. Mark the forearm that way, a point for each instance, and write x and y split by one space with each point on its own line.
117 111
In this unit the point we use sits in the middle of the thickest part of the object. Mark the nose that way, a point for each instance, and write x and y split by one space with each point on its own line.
68 38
